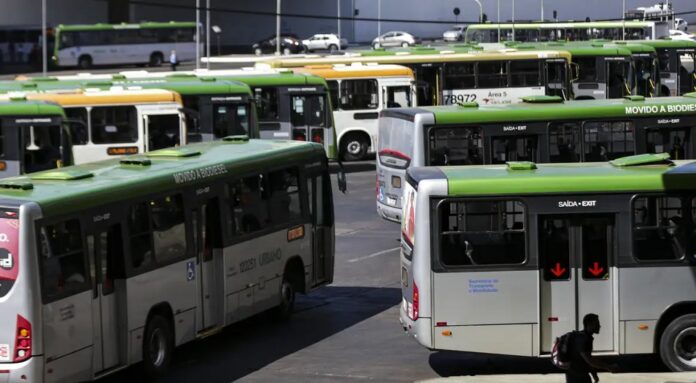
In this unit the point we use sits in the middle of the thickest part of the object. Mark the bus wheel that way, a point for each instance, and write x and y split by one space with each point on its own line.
284 310
354 147
156 59
158 346
678 344
84 62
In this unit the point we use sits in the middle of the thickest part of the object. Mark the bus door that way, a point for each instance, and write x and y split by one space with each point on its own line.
673 140
428 84
687 71
310 119
208 241
319 192
557 78
163 129
105 250
575 253
516 142
618 77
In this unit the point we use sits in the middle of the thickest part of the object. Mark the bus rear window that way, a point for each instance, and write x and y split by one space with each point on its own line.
9 252
396 137
480 233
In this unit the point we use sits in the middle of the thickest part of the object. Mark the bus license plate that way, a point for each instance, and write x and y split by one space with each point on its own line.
391 201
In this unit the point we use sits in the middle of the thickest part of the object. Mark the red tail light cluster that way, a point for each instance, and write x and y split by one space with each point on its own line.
394 159
22 340
299 135
318 136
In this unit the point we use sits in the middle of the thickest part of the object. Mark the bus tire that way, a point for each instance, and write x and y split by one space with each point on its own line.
84 62
158 346
156 59
354 146
284 310
678 344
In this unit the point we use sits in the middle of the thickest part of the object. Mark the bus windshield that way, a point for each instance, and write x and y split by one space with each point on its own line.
230 120
42 147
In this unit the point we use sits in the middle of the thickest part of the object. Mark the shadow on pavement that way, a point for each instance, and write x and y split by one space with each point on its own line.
446 364
257 342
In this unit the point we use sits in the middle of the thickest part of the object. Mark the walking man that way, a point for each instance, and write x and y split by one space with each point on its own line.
173 60
582 363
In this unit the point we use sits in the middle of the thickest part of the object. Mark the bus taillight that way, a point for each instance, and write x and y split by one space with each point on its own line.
416 300
22 340
299 135
318 136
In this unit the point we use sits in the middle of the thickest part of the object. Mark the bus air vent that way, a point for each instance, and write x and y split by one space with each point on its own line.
136 161
181 75
16 185
180 152
29 85
119 77
471 104
521 165
239 139
635 98
542 99
643 159
62 175
45 79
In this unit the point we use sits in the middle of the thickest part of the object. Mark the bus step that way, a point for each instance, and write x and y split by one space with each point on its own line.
209 331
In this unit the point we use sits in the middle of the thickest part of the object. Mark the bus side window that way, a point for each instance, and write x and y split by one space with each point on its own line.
63 263
359 94
482 233
168 228
492 74
285 196
333 92
140 236
659 228
78 130
249 204
605 141
564 142
114 124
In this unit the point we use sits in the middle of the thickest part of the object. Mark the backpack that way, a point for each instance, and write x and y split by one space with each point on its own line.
560 352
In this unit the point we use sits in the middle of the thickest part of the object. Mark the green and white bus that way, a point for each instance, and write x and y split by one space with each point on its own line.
505 258
467 74
149 43
676 65
26 127
567 31
542 129
214 108
113 263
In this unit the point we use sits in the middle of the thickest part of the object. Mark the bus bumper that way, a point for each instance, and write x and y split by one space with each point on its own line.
389 213
28 371
420 330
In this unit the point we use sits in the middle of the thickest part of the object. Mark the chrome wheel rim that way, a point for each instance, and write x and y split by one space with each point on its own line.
157 347
685 346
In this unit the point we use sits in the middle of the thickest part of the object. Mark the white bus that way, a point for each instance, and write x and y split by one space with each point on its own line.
358 93
505 258
118 262
118 121
149 43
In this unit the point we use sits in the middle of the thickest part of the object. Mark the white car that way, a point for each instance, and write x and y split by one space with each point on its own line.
329 42
395 39
455 33
680 35
680 24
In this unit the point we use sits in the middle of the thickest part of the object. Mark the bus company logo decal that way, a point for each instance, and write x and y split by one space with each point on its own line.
569 203
655 109
477 286
198 174
4 352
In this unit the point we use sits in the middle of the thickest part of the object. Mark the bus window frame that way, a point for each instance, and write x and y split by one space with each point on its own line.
687 201
437 266
430 128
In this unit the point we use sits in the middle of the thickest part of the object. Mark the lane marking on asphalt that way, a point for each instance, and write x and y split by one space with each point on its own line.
373 255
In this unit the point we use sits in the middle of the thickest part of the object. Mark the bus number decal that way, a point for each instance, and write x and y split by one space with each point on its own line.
456 98
270 256
247 265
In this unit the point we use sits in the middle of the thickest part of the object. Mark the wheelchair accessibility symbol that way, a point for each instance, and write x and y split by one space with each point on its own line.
190 271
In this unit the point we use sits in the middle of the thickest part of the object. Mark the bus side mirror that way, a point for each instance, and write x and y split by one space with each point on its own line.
574 72
342 184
